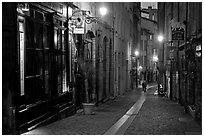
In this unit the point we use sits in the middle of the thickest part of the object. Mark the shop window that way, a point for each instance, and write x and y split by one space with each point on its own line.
37 81
38 15
60 57
37 60
30 62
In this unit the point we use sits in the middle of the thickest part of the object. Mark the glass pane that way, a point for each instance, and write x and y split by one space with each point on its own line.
29 62
59 66
64 81
59 39
63 44
30 90
39 35
39 89
45 37
29 34
55 38
38 15
39 62
59 74
47 71
49 37
47 84
59 88
47 61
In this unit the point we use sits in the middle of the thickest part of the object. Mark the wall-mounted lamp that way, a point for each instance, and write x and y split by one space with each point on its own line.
23 7
85 15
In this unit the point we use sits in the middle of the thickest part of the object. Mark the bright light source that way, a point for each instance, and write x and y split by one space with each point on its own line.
136 53
160 38
155 58
103 11
140 67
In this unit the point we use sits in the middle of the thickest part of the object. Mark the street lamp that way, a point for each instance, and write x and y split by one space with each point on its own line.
136 55
103 11
155 58
140 68
161 76
160 38
86 15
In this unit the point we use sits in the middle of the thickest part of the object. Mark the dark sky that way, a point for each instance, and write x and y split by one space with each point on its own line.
146 4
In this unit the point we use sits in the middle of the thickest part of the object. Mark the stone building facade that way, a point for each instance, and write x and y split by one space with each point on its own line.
57 56
149 44
182 61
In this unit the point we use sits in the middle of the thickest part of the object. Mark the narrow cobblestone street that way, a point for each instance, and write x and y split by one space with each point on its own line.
157 116
161 116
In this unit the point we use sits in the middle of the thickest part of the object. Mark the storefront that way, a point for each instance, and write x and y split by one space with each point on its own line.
44 90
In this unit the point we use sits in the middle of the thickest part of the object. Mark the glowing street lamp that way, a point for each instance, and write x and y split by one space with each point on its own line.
160 38
155 58
103 11
86 15
136 53
140 68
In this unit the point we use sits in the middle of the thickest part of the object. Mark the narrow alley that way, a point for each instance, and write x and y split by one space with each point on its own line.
101 68
157 116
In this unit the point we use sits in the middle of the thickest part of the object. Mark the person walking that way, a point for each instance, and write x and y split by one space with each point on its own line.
144 86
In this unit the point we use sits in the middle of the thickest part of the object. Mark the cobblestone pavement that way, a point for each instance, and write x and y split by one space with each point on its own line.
105 116
158 115
161 116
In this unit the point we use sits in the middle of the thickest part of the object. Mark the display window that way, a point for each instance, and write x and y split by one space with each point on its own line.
43 56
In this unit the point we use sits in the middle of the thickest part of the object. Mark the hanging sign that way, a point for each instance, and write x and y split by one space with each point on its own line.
178 34
78 26
177 29
77 23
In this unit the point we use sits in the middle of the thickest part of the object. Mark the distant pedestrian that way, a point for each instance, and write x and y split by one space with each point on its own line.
144 86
